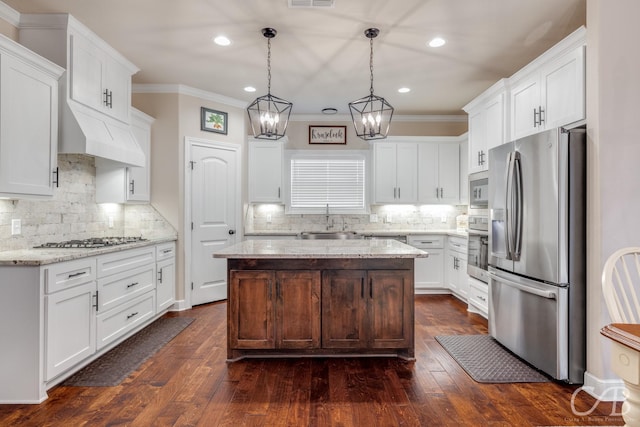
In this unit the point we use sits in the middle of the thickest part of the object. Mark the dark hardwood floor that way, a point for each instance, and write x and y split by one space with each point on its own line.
189 383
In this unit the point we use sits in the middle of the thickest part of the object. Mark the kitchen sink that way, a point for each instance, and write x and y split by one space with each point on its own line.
335 235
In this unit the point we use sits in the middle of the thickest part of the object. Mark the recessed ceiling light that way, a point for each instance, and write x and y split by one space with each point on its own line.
404 90
329 110
222 41
437 42
249 89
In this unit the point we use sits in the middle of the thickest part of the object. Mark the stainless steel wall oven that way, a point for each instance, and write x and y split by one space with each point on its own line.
478 247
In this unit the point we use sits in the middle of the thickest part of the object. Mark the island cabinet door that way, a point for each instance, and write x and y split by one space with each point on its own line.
344 310
391 308
251 313
298 309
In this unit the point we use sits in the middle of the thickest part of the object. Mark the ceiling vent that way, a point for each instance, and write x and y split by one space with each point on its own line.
311 3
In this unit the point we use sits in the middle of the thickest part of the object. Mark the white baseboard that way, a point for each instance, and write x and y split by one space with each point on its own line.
604 390
180 305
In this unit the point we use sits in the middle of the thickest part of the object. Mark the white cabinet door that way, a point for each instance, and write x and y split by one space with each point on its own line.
166 284
117 83
428 174
407 173
449 173
429 272
265 171
486 130
525 106
464 172
138 178
28 128
70 327
384 169
395 172
439 172
563 94
86 73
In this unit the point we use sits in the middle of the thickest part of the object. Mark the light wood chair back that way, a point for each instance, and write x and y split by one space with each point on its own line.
621 285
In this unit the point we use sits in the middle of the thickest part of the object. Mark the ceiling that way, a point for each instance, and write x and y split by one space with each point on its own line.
320 56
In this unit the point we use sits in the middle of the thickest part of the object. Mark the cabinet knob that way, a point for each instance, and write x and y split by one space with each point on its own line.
232 232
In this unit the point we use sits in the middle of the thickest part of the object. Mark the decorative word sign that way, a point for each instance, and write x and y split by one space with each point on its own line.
327 134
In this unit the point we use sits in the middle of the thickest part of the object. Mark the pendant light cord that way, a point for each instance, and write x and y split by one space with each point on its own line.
371 63
269 66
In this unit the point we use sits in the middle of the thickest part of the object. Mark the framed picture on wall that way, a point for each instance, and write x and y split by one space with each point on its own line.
213 121
327 134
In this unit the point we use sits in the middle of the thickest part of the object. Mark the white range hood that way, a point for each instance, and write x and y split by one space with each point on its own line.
85 132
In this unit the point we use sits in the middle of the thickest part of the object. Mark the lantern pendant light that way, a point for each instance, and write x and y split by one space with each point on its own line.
268 114
372 114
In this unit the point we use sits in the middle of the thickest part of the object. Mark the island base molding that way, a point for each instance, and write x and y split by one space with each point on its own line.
320 307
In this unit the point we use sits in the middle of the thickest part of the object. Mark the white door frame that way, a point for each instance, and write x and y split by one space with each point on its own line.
188 143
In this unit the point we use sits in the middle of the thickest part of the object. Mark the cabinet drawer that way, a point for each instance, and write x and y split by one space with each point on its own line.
165 251
65 275
426 241
113 324
122 287
479 295
125 260
457 244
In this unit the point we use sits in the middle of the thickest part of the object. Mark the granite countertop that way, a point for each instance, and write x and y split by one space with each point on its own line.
286 249
367 233
43 256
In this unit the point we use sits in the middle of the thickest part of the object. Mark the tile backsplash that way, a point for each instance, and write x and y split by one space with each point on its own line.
72 212
261 218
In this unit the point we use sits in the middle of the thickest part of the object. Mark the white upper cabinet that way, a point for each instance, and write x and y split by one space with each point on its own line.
487 124
395 172
97 79
439 173
550 92
464 169
265 171
28 122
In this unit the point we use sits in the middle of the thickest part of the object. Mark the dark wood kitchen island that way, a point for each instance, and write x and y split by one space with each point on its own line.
320 298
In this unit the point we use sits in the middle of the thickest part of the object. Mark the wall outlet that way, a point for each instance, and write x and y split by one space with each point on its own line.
389 218
268 217
373 218
16 226
443 218
110 221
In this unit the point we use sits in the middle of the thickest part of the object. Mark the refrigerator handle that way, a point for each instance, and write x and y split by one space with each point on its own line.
508 208
529 289
518 212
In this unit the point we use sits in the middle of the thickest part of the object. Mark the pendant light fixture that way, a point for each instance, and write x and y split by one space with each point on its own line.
268 114
372 114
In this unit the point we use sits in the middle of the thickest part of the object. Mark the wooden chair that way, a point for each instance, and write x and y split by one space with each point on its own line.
621 285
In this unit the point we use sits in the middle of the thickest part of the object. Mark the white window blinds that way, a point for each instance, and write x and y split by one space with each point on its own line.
337 182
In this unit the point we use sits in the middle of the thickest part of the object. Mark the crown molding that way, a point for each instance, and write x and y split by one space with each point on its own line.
190 91
9 14
214 97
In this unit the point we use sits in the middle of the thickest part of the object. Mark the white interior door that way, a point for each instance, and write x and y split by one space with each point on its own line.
213 217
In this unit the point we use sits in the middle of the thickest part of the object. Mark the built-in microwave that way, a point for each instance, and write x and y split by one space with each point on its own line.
479 190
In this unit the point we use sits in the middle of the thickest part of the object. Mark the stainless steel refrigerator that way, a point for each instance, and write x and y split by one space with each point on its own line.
537 253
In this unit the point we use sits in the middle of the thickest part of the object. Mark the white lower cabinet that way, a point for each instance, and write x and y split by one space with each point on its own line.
71 312
478 298
166 275
428 272
70 327
456 266
115 323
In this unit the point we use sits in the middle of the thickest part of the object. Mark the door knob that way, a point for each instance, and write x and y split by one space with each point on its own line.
232 231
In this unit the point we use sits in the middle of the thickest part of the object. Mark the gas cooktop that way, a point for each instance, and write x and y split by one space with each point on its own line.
94 242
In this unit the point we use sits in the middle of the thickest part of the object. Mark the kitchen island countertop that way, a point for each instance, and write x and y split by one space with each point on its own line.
286 249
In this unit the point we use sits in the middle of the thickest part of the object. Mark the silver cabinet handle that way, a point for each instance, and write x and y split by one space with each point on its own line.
72 275
132 285
129 316
160 276
132 186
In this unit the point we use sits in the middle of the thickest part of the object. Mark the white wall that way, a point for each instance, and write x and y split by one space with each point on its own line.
613 91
